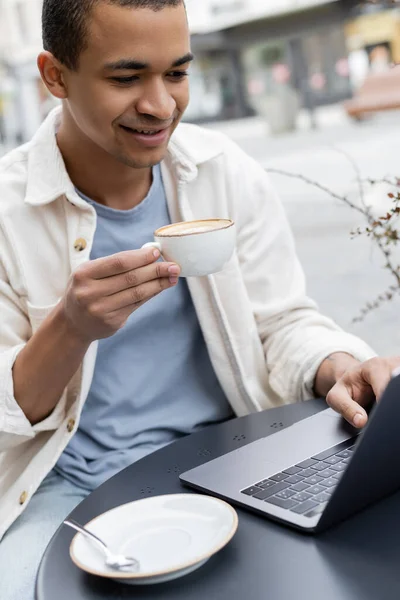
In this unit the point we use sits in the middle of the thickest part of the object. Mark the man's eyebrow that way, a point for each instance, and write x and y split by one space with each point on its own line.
128 64
185 59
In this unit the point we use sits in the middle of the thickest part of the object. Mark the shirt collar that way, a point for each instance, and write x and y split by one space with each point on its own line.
48 178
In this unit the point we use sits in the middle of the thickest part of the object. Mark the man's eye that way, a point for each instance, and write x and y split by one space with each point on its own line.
125 80
178 74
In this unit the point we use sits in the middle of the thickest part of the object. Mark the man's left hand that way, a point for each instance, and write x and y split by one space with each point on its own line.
358 385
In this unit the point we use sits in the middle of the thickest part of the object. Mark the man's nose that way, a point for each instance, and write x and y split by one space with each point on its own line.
157 101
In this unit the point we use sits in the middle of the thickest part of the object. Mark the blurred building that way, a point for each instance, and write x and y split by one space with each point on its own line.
373 40
24 101
268 56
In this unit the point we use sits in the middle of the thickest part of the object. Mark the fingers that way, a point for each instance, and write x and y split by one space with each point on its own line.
136 296
122 262
359 387
136 277
341 401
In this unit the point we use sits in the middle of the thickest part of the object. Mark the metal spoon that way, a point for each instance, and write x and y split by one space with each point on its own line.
114 561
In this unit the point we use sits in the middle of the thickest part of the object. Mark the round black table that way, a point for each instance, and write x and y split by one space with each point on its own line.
358 560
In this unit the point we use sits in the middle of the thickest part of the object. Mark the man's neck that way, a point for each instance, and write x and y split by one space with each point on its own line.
97 174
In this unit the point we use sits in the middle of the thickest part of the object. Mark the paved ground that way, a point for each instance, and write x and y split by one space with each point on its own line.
343 274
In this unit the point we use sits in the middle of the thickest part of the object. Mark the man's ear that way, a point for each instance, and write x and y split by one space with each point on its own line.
52 73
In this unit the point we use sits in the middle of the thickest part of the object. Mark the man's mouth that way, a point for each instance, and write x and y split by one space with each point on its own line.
148 138
150 132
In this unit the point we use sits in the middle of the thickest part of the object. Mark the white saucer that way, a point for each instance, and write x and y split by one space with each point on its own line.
171 536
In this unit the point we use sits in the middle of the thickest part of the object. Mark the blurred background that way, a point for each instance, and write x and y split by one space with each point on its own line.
306 86
253 57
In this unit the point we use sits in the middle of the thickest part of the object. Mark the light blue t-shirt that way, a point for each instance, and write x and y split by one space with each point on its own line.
153 381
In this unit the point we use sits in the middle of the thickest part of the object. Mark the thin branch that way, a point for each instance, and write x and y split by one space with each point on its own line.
382 180
365 211
382 298
358 176
317 185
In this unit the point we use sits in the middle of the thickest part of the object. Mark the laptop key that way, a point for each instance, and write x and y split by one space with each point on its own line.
282 503
302 497
327 473
314 480
315 489
294 479
339 467
260 483
307 463
344 454
285 494
266 484
324 497
337 476
299 487
279 477
292 470
329 483
335 449
333 460
271 491
251 491
307 473
319 466
304 507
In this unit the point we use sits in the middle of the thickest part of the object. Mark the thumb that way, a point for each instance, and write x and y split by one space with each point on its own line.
340 400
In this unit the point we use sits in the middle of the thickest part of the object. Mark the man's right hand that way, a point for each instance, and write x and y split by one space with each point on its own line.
103 293
100 297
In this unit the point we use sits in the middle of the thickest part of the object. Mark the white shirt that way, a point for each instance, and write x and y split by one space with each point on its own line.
265 337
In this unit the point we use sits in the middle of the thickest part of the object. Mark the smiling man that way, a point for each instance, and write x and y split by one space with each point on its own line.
123 79
106 354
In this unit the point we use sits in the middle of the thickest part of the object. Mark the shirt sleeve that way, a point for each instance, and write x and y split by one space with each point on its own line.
15 331
296 337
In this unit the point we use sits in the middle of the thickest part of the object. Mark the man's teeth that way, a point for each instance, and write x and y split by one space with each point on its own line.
140 131
146 132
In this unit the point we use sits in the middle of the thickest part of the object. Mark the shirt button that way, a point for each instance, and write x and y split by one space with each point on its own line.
80 245
23 498
71 425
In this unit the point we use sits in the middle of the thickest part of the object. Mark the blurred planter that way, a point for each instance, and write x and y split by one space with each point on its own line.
280 110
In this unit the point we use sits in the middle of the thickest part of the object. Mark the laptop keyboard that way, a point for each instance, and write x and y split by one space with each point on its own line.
305 488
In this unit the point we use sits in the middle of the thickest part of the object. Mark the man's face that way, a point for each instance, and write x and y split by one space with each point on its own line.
131 88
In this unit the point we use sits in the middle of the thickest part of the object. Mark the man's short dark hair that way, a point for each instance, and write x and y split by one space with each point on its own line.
65 24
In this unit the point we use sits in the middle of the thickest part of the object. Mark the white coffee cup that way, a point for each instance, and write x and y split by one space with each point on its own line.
198 247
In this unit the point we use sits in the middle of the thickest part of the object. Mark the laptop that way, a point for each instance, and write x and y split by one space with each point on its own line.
315 473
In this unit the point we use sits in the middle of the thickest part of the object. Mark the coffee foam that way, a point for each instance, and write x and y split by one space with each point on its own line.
193 227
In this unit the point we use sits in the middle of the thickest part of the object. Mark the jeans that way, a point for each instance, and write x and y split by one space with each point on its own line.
23 546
